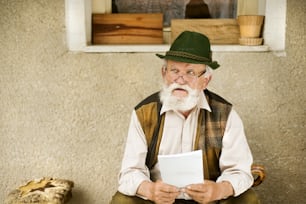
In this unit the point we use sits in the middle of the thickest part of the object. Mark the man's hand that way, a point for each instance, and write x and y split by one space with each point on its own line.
209 191
159 192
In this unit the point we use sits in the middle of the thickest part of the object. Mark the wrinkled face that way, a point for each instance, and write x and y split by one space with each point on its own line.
182 84
183 73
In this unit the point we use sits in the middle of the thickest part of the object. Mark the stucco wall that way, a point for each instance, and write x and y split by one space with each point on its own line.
66 115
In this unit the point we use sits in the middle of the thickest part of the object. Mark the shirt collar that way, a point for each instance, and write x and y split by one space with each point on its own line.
202 104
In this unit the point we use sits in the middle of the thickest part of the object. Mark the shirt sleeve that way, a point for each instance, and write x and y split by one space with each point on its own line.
133 169
236 158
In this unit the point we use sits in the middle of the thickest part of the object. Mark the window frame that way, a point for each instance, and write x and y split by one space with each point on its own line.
78 31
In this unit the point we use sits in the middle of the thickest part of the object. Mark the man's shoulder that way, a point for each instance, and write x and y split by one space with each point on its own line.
153 98
215 97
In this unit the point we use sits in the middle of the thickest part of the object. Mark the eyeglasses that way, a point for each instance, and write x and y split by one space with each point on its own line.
189 76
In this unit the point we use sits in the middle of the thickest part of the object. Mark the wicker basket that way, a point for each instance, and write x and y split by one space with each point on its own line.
250 41
250 25
250 20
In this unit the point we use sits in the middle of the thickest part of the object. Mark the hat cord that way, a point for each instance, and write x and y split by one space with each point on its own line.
187 55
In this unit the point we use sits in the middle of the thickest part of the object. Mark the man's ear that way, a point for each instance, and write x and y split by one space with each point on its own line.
206 81
209 78
163 71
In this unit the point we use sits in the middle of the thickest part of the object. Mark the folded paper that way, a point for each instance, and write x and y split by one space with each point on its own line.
182 169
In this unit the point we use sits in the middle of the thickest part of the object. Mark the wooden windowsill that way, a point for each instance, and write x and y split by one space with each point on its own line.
164 48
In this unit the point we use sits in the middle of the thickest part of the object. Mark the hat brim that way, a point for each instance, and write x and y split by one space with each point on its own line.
213 64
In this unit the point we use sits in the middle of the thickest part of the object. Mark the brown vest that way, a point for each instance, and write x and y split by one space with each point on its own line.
210 130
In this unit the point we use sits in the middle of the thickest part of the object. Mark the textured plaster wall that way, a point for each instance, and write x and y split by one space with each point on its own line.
66 115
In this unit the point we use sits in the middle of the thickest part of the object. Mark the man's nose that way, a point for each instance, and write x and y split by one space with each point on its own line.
180 79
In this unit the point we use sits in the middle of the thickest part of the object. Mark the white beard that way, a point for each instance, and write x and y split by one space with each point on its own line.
179 103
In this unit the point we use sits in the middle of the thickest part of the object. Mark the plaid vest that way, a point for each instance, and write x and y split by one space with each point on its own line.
210 130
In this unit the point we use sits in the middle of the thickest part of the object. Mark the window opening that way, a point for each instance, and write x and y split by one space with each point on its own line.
178 9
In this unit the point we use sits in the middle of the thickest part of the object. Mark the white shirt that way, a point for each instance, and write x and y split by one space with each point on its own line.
179 136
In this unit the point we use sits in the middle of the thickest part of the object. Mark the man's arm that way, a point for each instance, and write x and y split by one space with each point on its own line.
134 177
133 169
236 158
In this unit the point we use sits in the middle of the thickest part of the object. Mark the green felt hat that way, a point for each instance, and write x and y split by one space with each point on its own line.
191 47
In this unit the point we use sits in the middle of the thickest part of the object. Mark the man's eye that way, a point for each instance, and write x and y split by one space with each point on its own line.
191 73
175 71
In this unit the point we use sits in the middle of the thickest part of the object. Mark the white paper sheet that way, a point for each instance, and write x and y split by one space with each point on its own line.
183 169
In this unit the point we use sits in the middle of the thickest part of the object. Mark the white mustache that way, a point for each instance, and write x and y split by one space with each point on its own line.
181 104
174 86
